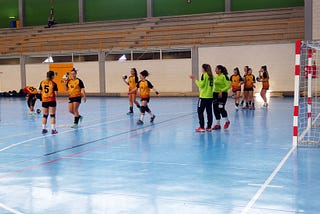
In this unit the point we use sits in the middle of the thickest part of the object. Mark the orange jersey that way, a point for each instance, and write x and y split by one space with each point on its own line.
48 89
265 81
132 81
74 87
30 90
144 86
236 82
249 81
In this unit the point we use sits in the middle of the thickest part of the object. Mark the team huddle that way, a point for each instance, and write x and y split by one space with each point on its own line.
214 93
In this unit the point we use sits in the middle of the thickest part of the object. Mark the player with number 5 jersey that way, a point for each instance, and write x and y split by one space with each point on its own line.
49 90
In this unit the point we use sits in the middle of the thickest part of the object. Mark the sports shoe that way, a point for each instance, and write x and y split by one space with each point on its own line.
44 131
152 118
139 122
226 125
75 125
130 113
54 131
236 107
200 129
80 118
216 127
208 129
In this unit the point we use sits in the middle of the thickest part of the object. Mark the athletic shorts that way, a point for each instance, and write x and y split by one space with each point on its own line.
248 89
49 104
145 99
265 88
74 99
236 89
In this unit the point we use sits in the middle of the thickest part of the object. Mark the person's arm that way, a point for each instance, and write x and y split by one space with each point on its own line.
83 93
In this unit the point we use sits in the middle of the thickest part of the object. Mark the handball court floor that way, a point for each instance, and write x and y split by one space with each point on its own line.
111 165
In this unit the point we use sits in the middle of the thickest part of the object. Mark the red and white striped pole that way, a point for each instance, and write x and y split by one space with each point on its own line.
296 93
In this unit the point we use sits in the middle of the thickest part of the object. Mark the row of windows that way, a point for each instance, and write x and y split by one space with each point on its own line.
109 56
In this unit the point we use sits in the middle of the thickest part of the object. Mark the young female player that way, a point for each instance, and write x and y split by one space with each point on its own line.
264 79
76 92
132 83
49 90
245 93
205 85
249 85
31 96
236 82
144 87
220 95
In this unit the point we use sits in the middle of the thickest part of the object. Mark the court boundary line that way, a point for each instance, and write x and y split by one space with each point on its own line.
9 209
267 181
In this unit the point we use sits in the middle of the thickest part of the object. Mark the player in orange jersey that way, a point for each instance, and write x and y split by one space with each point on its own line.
49 90
132 83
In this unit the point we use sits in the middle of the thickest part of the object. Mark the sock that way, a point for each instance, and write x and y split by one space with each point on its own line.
141 117
131 109
53 126
237 104
138 106
76 120
43 126
218 122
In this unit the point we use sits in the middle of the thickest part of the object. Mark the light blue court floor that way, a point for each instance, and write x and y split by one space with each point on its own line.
111 165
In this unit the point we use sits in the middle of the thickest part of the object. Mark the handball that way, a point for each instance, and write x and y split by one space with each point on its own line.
66 76
38 111
258 79
124 77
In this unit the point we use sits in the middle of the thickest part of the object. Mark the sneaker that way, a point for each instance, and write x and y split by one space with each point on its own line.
152 118
80 118
216 127
130 113
236 107
44 131
139 122
226 125
54 131
208 129
200 129
75 125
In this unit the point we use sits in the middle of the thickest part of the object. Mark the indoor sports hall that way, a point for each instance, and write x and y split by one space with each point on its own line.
266 161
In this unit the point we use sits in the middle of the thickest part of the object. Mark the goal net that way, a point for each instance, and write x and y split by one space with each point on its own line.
306 93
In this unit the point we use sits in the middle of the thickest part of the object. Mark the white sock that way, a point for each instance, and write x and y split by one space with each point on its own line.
53 126
141 117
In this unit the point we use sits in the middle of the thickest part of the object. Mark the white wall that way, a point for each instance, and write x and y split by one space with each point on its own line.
279 59
169 75
316 20
10 78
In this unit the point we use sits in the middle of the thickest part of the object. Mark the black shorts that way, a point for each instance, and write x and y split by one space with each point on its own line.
49 104
145 99
248 89
74 99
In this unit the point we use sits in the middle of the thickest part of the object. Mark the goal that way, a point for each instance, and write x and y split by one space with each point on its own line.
306 119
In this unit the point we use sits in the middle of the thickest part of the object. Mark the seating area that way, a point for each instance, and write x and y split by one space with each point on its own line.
227 28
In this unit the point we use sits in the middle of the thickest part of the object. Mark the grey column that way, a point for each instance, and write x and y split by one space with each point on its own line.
149 8
23 71
102 72
195 65
308 16
21 12
227 5
81 11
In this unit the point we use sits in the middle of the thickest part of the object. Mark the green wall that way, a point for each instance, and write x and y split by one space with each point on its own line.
99 10
8 8
264 4
181 7
38 11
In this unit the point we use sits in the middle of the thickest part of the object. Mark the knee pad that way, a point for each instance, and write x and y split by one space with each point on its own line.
143 109
52 115
147 108
45 116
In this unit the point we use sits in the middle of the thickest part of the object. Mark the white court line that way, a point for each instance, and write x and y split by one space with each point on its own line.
9 209
40 137
267 182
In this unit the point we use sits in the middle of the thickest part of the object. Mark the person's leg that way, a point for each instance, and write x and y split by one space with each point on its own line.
45 112
200 110
208 106
52 111
143 111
